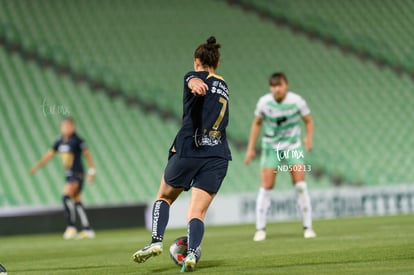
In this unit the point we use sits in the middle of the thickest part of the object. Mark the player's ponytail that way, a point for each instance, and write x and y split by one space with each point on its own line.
208 53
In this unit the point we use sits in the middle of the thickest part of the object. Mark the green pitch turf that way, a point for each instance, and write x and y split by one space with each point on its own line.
381 245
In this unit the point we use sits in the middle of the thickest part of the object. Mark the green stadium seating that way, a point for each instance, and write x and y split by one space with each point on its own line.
129 146
382 29
361 113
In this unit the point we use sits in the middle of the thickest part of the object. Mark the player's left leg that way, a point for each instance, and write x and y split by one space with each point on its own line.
303 198
87 232
167 194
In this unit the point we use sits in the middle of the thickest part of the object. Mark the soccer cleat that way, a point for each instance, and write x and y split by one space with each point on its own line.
309 233
147 252
189 263
86 234
260 235
70 233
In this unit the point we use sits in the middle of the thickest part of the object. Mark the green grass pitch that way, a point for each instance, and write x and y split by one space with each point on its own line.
380 245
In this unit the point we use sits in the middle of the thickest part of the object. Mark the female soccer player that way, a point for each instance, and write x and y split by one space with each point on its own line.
199 155
280 113
71 147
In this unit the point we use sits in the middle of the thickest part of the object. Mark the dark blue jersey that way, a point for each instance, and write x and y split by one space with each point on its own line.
205 119
71 153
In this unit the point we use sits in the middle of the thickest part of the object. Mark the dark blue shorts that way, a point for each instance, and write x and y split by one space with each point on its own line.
204 173
72 177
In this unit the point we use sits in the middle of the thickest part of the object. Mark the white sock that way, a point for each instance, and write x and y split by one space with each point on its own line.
69 211
304 203
82 215
262 207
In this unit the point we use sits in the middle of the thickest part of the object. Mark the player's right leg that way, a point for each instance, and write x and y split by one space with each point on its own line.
268 163
70 214
263 202
200 201
160 215
206 184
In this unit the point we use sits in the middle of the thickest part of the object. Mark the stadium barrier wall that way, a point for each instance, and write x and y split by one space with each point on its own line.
31 220
326 204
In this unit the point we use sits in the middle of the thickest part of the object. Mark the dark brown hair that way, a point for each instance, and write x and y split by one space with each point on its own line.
208 53
68 119
275 78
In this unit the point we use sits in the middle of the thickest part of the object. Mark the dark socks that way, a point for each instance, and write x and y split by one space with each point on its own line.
160 216
195 234
82 215
69 211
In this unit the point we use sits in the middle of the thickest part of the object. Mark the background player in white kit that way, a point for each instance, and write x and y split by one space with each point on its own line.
280 112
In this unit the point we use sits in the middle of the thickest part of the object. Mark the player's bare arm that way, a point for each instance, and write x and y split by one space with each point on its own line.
91 166
45 159
254 134
198 86
307 141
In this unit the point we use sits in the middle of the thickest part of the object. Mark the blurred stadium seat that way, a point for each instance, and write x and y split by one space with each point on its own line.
382 30
143 48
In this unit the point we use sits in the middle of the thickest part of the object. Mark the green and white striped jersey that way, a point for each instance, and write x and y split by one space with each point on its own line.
281 120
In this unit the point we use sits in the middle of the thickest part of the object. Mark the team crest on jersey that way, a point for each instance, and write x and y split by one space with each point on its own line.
213 138
64 148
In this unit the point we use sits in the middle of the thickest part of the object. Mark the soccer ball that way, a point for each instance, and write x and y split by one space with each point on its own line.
2 270
178 250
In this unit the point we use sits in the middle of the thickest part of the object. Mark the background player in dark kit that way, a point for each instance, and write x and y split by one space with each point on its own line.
71 148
